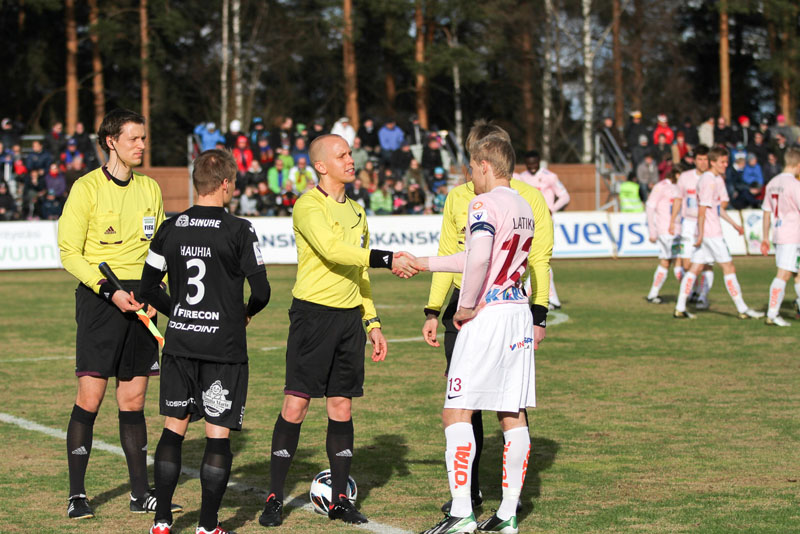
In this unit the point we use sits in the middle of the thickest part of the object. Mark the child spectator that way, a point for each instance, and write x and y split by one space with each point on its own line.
248 202
439 199
243 155
381 200
51 206
8 207
416 199
399 198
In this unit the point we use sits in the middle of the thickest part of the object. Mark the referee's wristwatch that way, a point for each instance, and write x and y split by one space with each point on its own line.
373 323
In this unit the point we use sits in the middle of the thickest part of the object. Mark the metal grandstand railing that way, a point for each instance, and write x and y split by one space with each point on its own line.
611 167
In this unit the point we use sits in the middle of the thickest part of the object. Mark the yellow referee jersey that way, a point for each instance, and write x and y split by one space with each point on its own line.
332 253
105 222
451 241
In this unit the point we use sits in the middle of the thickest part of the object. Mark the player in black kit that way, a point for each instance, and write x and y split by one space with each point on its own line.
207 254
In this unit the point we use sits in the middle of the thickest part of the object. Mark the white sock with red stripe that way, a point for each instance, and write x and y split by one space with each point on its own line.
458 456
735 291
708 283
659 278
777 290
553 293
516 451
686 289
678 272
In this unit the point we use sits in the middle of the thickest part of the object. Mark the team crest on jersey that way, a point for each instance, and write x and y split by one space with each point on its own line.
149 226
182 221
214 401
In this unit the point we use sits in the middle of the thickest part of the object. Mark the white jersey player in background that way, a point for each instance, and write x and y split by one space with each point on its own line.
687 184
555 194
663 208
492 366
710 245
782 201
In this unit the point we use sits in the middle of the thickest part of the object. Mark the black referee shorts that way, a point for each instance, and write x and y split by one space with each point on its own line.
450 330
325 351
109 342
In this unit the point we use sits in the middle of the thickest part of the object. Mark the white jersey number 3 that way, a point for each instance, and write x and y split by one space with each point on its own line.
196 281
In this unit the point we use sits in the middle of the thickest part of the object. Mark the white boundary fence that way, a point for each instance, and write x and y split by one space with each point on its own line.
578 234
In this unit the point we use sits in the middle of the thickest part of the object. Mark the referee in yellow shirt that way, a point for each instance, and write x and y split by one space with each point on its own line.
110 215
332 307
451 241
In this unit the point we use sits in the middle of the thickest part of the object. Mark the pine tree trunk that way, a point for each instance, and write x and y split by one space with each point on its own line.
71 27
588 82
526 83
223 72
547 81
144 56
636 60
98 82
390 88
349 66
724 63
619 96
237 57
419 58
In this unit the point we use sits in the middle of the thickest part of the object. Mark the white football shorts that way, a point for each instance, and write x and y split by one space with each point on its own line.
688 238
713 249
669 246
787 257
492 366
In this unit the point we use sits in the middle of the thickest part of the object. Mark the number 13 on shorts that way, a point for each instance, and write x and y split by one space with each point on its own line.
453 385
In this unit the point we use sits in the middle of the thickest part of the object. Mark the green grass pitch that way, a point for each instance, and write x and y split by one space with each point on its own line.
644 424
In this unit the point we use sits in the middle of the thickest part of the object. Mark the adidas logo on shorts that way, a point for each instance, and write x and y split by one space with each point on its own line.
283 453
80 451
347 453
110 230
154 367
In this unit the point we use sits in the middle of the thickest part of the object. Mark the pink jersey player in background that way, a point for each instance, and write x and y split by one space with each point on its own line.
663 208
555 194
782 202
710 246
687 184
492 366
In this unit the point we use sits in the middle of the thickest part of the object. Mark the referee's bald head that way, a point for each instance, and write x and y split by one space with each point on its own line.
318 150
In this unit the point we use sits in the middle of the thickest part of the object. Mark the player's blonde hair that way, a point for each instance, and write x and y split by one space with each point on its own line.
792 156
483 128
497 152
211 168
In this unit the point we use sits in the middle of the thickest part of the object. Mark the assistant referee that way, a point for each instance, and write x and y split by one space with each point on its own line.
110 215
325 349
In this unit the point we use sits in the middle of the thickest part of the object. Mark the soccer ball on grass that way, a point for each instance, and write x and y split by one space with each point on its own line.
320 492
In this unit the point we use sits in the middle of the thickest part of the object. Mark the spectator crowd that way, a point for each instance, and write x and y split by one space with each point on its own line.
35 183
398 170
756 150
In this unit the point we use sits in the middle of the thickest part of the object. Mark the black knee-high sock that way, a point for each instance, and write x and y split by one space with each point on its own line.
133 438
167 470
339 444
79 446
214 474
477 429
285 437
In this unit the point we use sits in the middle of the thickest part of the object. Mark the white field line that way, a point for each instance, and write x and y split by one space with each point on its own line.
40 359
290 501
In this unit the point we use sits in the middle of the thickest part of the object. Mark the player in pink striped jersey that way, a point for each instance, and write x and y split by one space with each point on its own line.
710 245
492 366
687 183
555 194
663 208
782 201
